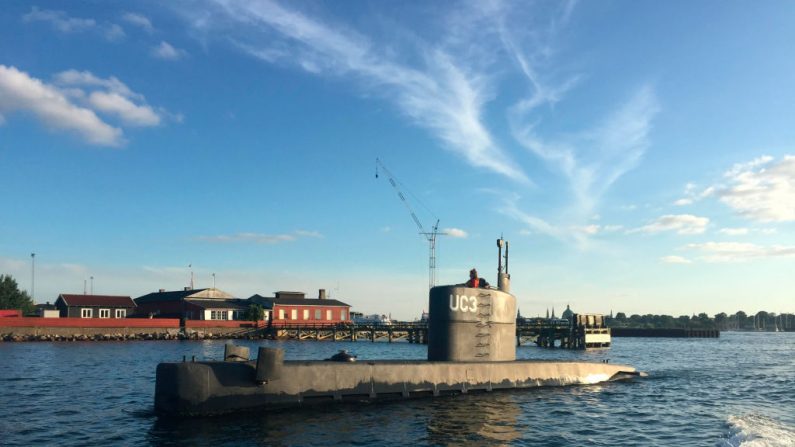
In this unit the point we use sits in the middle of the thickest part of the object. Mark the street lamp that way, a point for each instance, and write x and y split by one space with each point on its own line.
32 276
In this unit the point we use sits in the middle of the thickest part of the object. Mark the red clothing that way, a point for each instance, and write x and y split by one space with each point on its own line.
473 282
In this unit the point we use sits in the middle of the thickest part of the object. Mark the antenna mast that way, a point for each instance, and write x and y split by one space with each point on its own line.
429 236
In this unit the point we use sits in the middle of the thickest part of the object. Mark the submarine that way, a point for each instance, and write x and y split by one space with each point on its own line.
471 348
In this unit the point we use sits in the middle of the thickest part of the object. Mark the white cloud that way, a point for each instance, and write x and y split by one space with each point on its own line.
675 260
587 229
680 223
66 24
115 98
762 190
261 238
456 233
59 20
21 92
129 112
307 233
739 251
88 79
442 92
138 20
167 52
733 231
114 32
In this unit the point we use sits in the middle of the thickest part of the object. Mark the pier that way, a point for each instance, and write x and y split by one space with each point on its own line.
542 333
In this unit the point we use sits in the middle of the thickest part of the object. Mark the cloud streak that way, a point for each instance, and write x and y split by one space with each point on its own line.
66 24
440 93
168 52
686 224
740 251
260 238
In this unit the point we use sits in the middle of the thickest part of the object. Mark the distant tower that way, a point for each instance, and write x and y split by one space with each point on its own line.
553 312
547 313
567 314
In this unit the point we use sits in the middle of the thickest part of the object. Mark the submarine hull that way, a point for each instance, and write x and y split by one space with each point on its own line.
208 388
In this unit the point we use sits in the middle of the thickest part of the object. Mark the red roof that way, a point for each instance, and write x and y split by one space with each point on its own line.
98 300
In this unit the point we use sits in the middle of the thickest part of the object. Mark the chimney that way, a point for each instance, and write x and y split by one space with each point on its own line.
162 290
321 294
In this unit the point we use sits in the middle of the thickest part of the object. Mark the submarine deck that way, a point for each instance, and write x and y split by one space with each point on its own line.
202 388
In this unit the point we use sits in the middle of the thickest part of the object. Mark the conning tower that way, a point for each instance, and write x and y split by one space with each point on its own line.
474 324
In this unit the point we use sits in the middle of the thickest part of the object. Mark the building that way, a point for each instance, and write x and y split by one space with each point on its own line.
47 310
294 307
568 314
192 304
94 306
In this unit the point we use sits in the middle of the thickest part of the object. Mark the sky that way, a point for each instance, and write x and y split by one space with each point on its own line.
638 156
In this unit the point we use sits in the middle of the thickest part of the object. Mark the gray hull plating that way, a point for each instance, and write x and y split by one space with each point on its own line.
204 388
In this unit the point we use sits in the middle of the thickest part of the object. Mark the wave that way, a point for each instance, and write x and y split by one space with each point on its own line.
754 430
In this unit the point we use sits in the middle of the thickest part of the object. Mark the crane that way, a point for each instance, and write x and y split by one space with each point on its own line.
430 236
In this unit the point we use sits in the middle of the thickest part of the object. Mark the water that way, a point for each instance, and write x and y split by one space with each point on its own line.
738 390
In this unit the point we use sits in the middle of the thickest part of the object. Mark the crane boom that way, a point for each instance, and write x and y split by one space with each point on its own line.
429 236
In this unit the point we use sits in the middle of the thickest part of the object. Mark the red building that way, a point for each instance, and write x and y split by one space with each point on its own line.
295 308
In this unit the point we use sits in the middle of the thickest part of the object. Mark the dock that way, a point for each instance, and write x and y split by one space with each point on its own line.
588 331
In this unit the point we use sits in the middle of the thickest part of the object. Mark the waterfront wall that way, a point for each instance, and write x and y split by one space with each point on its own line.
69 329
675 333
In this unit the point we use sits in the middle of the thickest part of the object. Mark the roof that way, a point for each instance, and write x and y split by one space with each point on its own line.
265 302
220 304
97 300
177 295
47 306
309 302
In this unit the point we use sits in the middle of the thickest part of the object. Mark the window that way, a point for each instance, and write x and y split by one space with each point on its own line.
121 313
342 315
294 314
219 315
306 314
317 314
104 313
281 314
85 313
328 314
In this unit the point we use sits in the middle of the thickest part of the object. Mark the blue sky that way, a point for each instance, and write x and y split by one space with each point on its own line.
639 156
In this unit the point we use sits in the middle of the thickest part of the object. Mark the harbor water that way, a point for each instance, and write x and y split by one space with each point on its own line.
737 390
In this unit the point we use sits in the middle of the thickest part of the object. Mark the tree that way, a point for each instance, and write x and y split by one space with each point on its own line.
621 316
741 319
720 320
13 298
255 312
